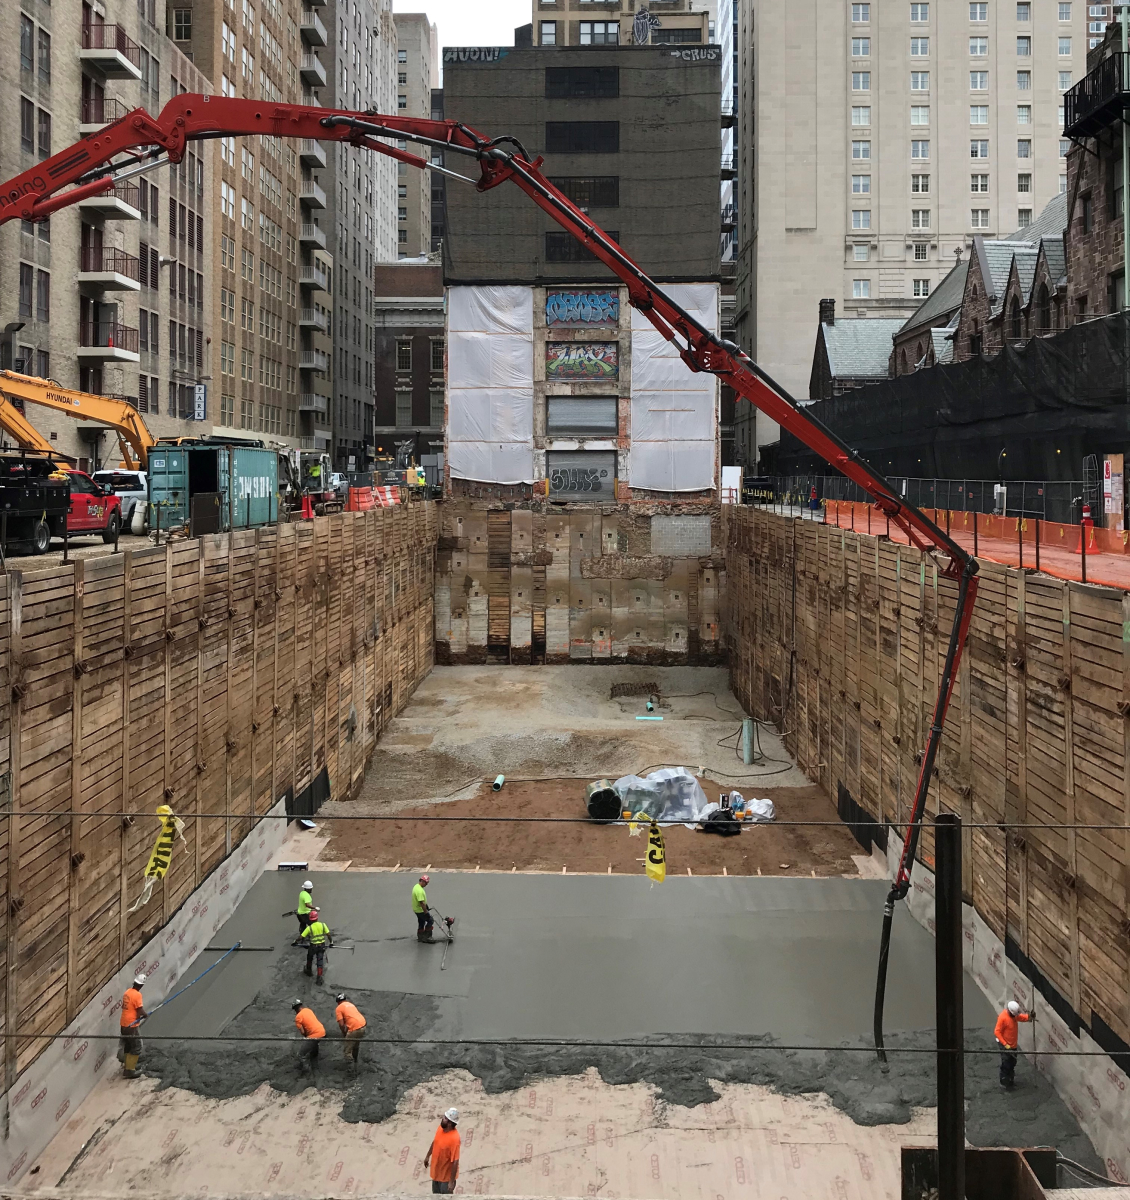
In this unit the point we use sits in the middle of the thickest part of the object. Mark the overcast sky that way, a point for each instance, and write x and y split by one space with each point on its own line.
472 22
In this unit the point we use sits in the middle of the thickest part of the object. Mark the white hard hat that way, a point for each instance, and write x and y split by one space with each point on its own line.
1013 1007
452 1115
307 884
139 980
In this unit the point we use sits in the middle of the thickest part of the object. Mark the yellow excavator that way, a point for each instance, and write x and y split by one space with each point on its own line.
134 436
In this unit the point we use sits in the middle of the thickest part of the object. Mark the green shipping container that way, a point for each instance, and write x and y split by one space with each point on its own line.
214 487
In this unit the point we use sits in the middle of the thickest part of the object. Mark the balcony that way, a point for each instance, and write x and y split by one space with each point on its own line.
1099 100
110 51
319 440
311 153
107 341
729 217
311 194
729 170
313 71
729 117
313 360
313 318
123 203
311 235
311 402
312 29
99 111
108 269
314 277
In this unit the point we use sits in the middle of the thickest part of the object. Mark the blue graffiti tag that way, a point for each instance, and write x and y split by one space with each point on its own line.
582 308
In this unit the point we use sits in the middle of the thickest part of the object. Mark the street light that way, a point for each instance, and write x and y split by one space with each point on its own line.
8 346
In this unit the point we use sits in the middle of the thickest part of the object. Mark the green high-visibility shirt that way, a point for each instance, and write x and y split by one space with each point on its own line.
419 899
317 932
305 902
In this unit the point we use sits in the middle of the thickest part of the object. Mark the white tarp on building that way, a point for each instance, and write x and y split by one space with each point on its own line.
490 363
674 410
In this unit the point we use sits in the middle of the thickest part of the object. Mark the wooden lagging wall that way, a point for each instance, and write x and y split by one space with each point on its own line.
211 675
840 638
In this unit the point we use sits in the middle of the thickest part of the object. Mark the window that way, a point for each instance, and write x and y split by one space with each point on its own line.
563 247
44 56
920 184
27 124
182 24
861 81
1024 81
979 149
920 149
27 43
1064 146
1065 47
860 14
27 275
1024 183
402 56
1118 193
404 354
861 151
582 83
600 33
919 47
920 218
1065 12
861 185
920 114
919 13
919 81
548 34
862 253
600 191
1064 80
1088 210
1024 114
979 47
978 12
437 355
582 137
1024 148
978 114
861 218
403 409
1024 47
861 115
860 47
978 184
979 218
227 200
921 251
861 289
1023 218
44 128
1024 13
921 288
42 296
978 81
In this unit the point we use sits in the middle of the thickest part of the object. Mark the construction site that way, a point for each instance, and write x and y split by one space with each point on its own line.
647 844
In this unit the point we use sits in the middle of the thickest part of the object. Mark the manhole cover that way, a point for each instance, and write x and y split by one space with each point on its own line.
635 689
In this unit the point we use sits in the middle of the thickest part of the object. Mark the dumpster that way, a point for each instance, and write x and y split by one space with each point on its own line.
214 487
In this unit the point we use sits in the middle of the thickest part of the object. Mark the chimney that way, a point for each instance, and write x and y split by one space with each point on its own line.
827 312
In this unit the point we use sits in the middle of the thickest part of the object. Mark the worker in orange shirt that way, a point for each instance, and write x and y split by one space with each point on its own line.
443 1154
1007 1034
311 1031
133 1013
352 1025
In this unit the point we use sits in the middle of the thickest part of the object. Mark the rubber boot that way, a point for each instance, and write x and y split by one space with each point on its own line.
421 936
130 1071
307 971
319 979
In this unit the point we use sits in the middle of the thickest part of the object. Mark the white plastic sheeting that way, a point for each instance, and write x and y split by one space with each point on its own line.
674 410
490 363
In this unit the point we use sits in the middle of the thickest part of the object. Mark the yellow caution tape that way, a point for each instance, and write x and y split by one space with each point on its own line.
172 827
656 860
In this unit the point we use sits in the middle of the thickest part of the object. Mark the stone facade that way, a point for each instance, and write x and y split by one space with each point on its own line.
417 46
1094 241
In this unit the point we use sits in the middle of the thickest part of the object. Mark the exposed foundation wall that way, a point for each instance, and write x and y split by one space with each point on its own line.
839 639
569 583
212 675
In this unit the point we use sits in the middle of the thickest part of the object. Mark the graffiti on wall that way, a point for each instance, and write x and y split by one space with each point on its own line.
582 360
568 309
465 54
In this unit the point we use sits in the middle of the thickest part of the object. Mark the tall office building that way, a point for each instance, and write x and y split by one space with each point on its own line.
417 44
875 141
110 294
621 22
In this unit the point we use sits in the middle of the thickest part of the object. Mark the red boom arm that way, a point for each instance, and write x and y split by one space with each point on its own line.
89 167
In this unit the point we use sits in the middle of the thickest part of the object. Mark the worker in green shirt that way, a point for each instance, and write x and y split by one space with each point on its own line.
424 922
302 912
318 939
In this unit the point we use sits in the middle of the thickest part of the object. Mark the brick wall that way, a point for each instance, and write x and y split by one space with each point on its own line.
1092 256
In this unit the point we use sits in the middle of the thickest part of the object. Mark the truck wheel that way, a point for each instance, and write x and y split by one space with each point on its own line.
40 537
113 528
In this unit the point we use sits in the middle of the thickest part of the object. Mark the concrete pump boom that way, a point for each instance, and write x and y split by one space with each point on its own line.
94 165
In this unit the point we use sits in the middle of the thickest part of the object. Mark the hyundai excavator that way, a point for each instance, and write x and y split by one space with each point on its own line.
138 142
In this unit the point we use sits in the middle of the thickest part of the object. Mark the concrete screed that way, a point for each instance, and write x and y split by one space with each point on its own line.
750 961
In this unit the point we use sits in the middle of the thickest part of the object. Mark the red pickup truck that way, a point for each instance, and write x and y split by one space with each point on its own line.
93 510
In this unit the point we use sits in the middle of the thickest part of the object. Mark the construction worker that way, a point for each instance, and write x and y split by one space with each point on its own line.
1007 1034
305 906
318 939
133 1013
310 1030
443 1154
424 922
352 1025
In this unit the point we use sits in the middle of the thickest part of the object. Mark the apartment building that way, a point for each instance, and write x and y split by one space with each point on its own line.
877 140
108 295
417 44
437 184
621 23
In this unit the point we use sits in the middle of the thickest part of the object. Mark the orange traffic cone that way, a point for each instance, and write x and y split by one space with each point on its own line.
307 509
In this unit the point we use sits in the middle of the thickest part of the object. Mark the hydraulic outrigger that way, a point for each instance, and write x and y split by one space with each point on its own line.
95 165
